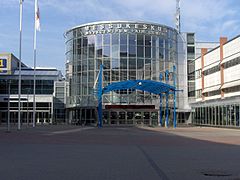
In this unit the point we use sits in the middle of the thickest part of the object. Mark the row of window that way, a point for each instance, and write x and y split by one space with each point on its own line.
124 51
121 39
217 92
42 87
123 63
214 69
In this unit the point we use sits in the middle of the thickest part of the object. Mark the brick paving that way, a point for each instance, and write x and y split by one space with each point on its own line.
119 153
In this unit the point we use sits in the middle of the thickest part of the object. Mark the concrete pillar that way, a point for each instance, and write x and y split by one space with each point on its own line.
223 40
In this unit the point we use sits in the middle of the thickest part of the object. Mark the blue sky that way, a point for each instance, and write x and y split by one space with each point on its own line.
210 19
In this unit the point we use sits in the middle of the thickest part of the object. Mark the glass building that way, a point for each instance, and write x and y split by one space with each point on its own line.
128 51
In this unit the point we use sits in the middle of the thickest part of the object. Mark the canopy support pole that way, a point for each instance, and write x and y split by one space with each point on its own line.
100 97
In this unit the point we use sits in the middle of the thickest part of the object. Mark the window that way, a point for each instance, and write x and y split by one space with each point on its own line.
115 39
123 38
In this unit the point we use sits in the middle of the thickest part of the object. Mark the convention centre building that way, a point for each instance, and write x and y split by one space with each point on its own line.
128 51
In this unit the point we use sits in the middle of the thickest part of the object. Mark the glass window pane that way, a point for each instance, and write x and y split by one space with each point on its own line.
99 52
154 38
85 41
148 40
123 51
91 40
115 75
115 63
123 75
132 75
91 52
140 63
161 43
123 38
106 39
123 63
140 51
99 40
106 63
115 39
115 51
139 39
132 40
148 52
106 51
132 51
132 64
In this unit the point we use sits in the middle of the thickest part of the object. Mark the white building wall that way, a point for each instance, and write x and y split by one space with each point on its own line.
198 64
183 104
231 48
212 57
232 74
212 80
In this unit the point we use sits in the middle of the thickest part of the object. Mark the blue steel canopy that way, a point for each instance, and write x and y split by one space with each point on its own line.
143 85
154 87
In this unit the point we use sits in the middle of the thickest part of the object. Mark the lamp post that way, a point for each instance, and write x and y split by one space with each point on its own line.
8 116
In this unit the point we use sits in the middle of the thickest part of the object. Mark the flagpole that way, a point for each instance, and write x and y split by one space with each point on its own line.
20 66
34 66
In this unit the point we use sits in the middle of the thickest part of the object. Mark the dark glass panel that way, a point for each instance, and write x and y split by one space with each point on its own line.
123 63
91 51
139 39
85 41
132 40
161 43
123 51
148 52
140 51
132 51
140 63
148 40
115 75
132 64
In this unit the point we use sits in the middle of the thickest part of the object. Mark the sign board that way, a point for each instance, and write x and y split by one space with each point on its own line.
3 66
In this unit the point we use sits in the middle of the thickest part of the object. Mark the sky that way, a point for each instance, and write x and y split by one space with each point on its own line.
209 19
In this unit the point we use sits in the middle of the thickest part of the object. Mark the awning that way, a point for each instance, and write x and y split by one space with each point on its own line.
212 88
231 84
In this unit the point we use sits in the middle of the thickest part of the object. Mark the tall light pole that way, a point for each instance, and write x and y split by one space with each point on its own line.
8 115
20 66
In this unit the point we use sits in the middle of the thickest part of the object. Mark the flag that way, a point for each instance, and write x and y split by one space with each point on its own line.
37 16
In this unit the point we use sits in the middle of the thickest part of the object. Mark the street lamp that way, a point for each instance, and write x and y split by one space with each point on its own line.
8 116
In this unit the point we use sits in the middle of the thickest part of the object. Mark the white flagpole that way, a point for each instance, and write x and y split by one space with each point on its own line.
35 56
19 66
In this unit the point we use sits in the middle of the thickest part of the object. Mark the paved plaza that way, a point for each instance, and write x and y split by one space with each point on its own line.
119 153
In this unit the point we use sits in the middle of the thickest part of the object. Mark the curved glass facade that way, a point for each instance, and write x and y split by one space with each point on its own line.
127 50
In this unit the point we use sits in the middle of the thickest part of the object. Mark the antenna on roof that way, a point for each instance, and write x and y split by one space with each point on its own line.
177 16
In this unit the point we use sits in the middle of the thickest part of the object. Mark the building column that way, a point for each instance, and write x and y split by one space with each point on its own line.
223 40
203 52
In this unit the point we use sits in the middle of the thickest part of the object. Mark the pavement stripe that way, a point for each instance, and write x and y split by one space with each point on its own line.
159 172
